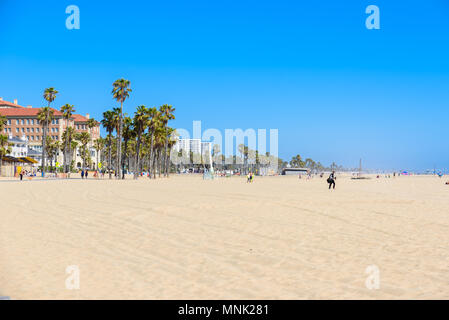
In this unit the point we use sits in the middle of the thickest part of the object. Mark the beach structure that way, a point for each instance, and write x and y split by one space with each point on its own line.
22 123
295 171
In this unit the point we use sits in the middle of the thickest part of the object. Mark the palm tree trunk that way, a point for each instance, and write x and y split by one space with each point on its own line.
151 154
110 157
119 149
44 141
138 170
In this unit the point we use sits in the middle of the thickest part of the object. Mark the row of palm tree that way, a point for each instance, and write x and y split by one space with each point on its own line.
298 162
46 116
145 137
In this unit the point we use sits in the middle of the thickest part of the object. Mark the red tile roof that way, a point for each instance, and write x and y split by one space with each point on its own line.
79 118
9 104
24 112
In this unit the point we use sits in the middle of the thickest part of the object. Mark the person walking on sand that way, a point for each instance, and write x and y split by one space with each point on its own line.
86 173
82 174
331 180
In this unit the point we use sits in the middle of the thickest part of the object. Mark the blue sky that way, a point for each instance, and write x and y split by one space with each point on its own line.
335 90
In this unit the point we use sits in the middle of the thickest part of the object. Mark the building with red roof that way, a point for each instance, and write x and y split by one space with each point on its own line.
22 122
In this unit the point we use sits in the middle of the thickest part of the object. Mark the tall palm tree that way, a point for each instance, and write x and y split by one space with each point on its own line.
118 130
67 112
128 134
120 92
167 114
45 116
91 123
141 117
67 138
73 147
108 123
50 96
152 124
99 145
84 139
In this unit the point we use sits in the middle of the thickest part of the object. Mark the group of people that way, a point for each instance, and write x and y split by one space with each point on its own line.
84 173
250 177
26 173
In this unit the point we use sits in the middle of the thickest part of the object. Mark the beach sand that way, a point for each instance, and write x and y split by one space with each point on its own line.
185 238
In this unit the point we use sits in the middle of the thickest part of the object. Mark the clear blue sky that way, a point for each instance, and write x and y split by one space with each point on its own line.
335 90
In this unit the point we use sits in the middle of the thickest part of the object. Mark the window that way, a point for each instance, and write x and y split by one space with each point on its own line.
17 121
37 130
28 129
9 122
23 130
32 121
28 121
17 130
57 121
22 121
32 137
32 129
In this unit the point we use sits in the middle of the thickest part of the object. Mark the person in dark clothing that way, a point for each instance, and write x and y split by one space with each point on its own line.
82 174
331 180
86 173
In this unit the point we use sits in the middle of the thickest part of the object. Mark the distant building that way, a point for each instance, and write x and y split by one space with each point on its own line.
196 146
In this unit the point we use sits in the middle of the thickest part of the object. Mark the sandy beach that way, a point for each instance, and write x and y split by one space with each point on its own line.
185 238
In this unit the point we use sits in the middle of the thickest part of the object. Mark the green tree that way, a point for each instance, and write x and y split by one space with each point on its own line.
67 112
141 117
120 92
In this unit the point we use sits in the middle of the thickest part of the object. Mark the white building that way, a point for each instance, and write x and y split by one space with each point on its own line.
19 146
196 146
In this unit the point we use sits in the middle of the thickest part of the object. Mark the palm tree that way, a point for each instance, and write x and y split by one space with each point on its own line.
140 121
50 96
297 162
3 122
5 147
73 147
118 130
67 112
99 145
67 138
84 139
153 124
128 134
109 124
166 114
120 92
45 116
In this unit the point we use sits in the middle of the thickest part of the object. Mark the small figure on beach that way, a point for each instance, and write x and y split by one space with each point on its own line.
82 174
331 180
86 173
